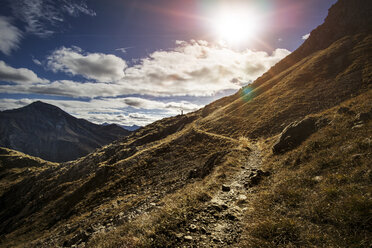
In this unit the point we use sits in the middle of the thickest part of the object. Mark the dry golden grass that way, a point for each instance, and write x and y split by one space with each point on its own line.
319 194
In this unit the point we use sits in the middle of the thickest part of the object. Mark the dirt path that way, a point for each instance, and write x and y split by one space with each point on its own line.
219 223
197 129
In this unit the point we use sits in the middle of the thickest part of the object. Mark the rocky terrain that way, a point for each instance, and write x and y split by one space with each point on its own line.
285 162
46 131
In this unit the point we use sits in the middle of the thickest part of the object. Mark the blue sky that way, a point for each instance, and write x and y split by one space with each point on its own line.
136 61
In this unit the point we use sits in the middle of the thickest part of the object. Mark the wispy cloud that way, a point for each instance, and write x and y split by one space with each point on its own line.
10 36
75 8
36 61
123 49
42 16
19 76
306 36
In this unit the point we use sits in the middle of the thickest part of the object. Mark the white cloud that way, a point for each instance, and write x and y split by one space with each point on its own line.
10 36
123 49
36 61
111 110
97 66
194 69
20 75
42 16
142 103
198 68
306 36
65 88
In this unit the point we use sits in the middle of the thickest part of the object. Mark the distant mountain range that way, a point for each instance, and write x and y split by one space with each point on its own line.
129 128
46 131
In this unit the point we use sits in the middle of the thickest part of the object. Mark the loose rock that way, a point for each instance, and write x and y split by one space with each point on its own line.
256 177
242 197
364 117
193 228
188 238
179 235
345 110
230 216
225 188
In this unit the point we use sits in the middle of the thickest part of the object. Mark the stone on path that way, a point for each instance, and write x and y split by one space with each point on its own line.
225 188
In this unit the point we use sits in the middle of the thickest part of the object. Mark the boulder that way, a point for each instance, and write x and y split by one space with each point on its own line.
297 132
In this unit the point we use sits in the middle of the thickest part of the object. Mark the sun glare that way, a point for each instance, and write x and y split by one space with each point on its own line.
236 26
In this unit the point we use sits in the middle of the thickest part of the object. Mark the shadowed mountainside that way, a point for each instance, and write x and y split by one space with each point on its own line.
210 178
46 131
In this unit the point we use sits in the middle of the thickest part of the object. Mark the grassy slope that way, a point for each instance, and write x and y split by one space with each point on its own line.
318 82
319 194
15 166
110 186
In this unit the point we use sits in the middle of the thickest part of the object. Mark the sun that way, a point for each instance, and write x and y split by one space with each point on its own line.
236 26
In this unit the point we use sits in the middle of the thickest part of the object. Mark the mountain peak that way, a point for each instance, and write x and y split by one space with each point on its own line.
39 103
42 105
44 130
344 18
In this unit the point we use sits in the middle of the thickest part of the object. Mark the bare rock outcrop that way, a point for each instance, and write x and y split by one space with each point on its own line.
297 132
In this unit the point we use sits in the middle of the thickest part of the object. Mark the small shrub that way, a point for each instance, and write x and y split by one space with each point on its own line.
244 143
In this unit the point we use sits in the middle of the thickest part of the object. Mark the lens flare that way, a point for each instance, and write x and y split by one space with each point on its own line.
247 93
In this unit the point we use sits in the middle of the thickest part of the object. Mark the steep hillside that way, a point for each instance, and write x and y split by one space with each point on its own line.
46 131
332 65
319 194
346 18
15 166
284 162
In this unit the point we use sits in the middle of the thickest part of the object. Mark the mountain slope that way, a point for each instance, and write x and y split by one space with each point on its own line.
46 131
319 81
14 166
162 186
319 193
346 18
